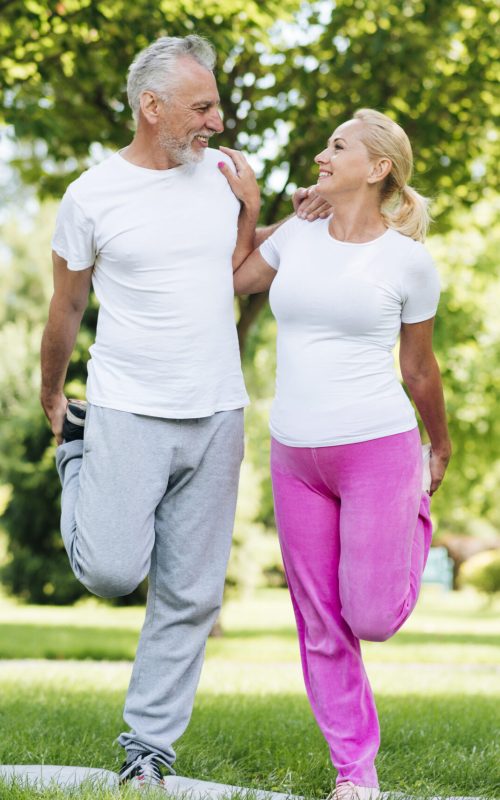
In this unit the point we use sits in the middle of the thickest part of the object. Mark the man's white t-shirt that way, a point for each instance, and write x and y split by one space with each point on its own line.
339 308
161 243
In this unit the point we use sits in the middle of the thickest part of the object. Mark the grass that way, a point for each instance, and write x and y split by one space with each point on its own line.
436 684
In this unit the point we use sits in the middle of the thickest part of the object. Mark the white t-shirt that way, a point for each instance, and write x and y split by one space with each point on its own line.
339 308
161 243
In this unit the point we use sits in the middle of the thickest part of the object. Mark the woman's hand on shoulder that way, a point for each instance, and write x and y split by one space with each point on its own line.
244 183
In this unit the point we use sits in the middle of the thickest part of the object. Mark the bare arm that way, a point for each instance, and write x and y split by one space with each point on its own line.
261 234
244 186
306 204
71 291
421 375
254 275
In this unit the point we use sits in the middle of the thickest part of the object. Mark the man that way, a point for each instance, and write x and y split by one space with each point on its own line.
150 483
152 486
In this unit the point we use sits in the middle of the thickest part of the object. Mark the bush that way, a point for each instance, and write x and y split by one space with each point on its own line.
482 571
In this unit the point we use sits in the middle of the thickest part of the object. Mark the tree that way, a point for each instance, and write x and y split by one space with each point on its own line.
288 73
37 569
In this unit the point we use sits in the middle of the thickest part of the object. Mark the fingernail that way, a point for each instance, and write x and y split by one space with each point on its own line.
221 164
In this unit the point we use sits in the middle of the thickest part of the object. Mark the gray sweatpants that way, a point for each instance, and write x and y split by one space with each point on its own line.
144 495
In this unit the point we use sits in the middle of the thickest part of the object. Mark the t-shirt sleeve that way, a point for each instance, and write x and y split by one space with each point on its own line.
74 238
421 289
272 248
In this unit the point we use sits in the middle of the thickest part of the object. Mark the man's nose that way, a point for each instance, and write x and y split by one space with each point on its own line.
214 121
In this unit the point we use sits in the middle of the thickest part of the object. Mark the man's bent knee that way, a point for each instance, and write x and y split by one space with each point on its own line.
111 584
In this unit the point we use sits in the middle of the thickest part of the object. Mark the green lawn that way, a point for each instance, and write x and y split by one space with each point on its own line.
436 684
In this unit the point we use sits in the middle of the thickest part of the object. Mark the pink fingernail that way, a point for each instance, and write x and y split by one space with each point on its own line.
221 164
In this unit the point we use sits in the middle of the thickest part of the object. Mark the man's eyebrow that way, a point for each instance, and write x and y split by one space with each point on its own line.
205 103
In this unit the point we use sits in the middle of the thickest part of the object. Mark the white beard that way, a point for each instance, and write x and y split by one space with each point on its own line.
179 151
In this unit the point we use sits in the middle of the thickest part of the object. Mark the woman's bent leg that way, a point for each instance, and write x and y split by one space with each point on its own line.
307 517
385 531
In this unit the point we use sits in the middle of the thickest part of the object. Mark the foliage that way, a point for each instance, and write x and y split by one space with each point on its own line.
482 571
37 567
467 341
288 73
283 86
430 64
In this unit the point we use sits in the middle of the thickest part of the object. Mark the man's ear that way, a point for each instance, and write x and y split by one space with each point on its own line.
150 107
380 170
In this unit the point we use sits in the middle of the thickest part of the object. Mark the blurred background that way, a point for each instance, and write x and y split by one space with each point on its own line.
288 73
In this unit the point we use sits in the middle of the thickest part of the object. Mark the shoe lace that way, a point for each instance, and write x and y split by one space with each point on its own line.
145 767
344 791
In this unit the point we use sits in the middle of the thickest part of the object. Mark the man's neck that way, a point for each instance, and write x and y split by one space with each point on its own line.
143 151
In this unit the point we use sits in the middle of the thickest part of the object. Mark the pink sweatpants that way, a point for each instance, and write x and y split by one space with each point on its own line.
355 532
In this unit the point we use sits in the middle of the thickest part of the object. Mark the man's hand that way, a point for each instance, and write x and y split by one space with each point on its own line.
243 184
55 411
307 204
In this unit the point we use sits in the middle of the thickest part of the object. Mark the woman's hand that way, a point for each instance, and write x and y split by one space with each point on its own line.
243 184
438 464
307 204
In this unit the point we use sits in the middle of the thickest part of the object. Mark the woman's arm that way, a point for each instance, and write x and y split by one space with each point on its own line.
245 188
421 375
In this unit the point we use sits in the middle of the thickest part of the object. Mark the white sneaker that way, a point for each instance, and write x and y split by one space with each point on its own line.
348 791
426 474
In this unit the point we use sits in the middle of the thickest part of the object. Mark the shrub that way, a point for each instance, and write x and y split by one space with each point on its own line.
482 571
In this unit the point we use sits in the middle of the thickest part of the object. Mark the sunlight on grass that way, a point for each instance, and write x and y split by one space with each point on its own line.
435 684
446 628
448 646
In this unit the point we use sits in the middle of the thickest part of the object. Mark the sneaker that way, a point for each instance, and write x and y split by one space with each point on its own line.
348 791
426 474
74 420
142 773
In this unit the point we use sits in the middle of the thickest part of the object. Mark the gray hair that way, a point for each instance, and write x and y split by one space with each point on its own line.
153 69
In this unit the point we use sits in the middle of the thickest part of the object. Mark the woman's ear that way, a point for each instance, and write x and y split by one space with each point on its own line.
380 170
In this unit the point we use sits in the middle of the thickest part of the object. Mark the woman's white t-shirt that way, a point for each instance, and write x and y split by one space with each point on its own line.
339 308
161 243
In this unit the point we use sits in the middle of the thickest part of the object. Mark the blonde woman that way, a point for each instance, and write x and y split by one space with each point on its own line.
351 496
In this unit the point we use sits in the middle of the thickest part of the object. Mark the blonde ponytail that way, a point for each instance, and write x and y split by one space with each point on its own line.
409 215
403 208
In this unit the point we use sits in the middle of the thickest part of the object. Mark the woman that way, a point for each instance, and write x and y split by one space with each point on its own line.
346 459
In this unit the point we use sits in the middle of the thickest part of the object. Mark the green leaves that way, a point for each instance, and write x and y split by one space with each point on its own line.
431 65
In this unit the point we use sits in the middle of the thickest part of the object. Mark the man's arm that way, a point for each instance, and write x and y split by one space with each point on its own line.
254 275
306 205
421 375
69 301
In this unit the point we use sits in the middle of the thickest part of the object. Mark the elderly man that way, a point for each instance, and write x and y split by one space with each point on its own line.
150 467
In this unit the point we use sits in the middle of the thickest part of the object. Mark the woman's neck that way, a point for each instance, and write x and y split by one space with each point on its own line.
356 222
